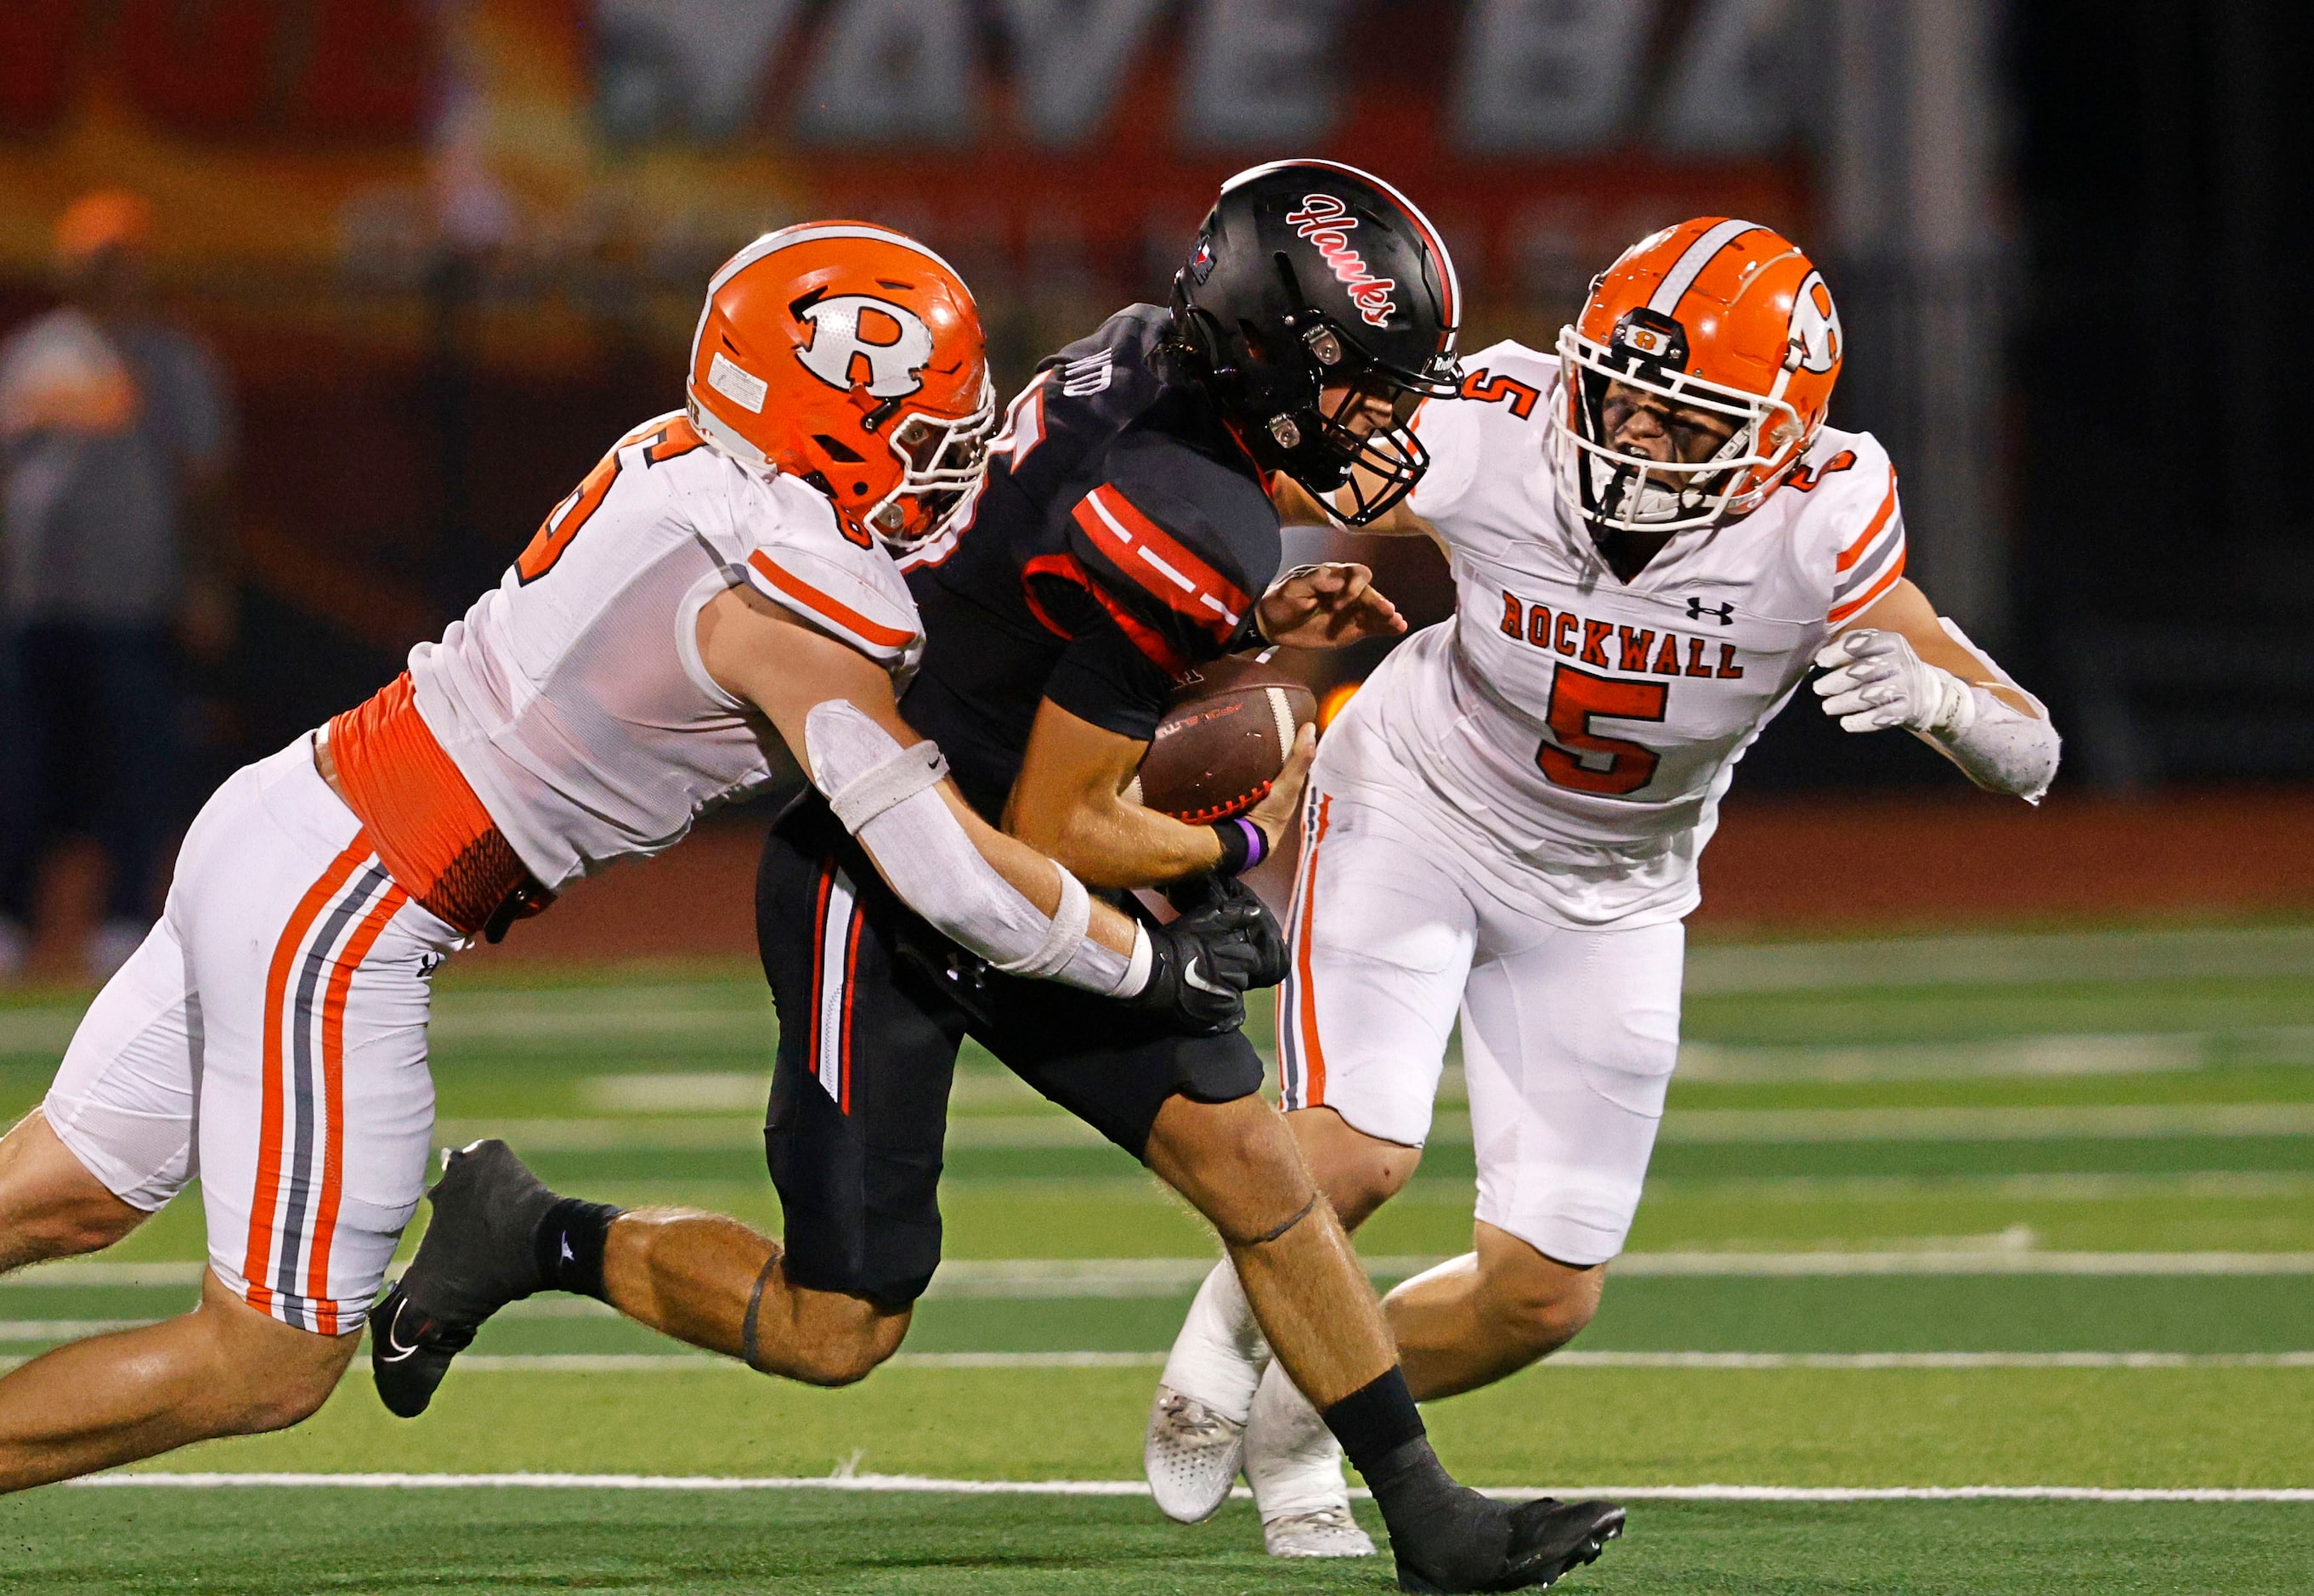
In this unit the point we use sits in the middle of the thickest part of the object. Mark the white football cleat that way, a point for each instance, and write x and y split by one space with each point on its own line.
1324 1532
1191 1456
1294 1465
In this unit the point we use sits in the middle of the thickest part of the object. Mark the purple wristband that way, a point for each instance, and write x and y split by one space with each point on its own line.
1256 846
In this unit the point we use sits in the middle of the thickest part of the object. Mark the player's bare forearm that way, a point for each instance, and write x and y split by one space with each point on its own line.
754 652
1068 802
1906 611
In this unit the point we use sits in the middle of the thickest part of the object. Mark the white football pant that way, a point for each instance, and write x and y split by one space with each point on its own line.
1568 1036
270 1037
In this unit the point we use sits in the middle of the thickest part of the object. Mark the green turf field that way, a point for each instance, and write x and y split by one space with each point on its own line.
2018 1212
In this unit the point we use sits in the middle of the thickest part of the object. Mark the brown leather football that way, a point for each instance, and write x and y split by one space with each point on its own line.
1223 742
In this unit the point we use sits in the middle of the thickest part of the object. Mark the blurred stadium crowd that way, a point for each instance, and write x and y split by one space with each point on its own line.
312 307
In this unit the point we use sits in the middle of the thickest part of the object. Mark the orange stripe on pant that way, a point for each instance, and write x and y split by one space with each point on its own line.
1313 1056
333 1085
258 1259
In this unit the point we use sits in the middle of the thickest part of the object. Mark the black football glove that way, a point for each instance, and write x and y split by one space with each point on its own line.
1202 964
1263 932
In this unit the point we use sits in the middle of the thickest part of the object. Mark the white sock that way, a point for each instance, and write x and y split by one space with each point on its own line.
1220 1354
1292 1460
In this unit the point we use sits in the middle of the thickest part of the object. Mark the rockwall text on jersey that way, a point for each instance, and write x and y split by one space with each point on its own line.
1587 725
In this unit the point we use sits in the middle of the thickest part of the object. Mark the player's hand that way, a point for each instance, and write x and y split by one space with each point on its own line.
1326 606
1202 964
1275 811
1873 681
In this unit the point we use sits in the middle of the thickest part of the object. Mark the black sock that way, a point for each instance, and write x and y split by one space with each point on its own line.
570 1242
1375 1423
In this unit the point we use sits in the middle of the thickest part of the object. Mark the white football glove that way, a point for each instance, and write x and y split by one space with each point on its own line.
1874 681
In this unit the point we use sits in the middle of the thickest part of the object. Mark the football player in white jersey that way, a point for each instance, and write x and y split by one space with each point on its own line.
716 593
1655 537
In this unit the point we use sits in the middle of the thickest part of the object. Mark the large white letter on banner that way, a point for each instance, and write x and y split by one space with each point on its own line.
891 71
1070 56
1734 82
1548 75
1261 71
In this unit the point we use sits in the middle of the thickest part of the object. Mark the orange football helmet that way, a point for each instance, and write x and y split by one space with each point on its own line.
1721 316
851 357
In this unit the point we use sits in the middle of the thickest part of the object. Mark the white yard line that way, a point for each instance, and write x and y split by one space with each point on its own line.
683 1363
2004 1262
2236 953
919 1485
1751 1126
2114 1123
78 1272
1030 1278
64 1329
1851 1362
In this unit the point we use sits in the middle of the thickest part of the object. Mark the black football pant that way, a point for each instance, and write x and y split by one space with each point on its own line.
873 1004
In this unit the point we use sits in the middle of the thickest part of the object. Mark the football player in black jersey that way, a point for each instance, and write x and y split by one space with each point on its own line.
1124 536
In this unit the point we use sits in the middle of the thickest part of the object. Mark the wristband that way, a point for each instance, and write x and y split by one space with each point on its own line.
1135 979
1243 845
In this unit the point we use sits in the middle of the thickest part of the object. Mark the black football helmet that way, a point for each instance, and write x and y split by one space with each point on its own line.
1310 275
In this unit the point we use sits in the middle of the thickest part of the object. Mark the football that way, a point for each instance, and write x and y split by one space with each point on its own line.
1223 740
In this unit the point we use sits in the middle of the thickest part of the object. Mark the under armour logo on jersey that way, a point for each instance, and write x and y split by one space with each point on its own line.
852 330
1723 613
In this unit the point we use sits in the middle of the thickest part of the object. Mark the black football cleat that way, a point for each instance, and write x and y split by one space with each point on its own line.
480 1253
1445 1537
1550 1538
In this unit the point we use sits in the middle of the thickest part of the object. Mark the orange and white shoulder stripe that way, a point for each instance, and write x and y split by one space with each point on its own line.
293 1216
1870 563
881 624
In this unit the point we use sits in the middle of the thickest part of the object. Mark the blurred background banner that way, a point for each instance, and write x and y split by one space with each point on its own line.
446 251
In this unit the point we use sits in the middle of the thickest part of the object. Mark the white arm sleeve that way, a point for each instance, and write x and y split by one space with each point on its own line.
884 795
2000 748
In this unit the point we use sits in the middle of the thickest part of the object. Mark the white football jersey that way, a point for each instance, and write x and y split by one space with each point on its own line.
572 696
1588 724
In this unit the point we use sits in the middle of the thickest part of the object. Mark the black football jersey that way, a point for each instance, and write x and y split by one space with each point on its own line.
1121 540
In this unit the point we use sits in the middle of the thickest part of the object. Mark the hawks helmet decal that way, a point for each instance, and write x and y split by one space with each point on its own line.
1326 221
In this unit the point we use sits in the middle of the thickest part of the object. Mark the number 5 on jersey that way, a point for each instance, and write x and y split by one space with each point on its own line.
668 440
1578 758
